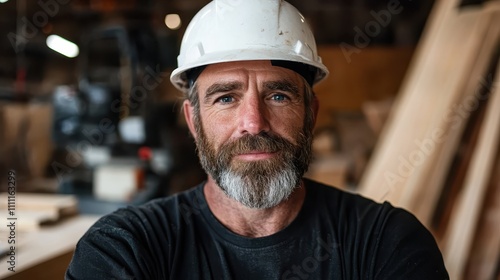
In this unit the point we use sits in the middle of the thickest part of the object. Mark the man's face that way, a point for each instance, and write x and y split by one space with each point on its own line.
253 128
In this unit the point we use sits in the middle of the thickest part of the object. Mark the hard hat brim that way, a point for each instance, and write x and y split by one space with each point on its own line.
179 78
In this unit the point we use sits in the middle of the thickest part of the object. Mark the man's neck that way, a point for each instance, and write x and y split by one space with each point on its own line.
252 222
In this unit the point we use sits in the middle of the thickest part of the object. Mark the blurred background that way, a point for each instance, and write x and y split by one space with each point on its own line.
89 121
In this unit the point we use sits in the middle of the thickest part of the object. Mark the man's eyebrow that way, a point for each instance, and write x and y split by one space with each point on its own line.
282 85
222 87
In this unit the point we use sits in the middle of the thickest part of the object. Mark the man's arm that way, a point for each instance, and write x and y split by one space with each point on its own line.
104 254
122 245
407 250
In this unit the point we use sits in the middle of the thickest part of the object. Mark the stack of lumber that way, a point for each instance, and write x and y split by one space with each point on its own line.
438 154
32 210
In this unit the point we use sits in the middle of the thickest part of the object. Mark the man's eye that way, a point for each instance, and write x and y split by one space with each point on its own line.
279 97
225 99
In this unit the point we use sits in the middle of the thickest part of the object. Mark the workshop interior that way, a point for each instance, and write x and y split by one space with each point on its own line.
90 123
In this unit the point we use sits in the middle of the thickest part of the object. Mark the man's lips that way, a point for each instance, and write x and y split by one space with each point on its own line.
255 155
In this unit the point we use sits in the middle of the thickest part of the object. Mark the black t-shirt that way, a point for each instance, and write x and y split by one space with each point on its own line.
336 235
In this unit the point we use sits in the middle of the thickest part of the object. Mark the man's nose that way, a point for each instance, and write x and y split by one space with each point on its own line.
253 116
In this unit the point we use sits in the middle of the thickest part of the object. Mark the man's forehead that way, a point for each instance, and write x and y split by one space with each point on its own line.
241 69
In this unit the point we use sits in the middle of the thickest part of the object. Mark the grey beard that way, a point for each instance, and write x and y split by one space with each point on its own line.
258 191
260 184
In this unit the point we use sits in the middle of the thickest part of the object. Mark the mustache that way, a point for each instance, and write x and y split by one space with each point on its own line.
263 142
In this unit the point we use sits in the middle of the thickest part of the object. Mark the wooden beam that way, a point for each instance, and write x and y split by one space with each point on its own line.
435 67
485 253
423 189
455 178
460 233
435 82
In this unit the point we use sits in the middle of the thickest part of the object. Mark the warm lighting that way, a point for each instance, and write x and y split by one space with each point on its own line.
62 46
173 21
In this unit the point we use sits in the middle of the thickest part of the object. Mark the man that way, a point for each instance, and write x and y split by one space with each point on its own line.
247 68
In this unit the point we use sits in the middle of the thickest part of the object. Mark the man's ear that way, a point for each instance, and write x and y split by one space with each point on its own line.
189 115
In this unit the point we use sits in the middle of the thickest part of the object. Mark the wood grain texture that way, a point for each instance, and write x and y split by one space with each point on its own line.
485 253
435 83
460 233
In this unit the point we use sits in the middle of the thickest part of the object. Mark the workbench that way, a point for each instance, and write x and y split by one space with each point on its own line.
45 253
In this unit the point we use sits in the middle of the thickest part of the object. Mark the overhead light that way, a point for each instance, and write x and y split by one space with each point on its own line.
3 1
173 21
62 46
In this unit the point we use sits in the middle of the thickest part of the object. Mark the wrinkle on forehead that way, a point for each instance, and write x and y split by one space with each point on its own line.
224 77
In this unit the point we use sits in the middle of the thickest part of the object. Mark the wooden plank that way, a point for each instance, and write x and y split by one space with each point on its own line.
383 179
38 201
27 220
485 253
460 233
33 209
456 173
38 247
435 81
423 188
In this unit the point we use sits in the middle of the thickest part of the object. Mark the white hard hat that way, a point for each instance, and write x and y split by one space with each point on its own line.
237 30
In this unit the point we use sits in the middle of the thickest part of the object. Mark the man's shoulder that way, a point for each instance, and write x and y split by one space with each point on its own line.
343 198
353 206
134 240
169 210
393 240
